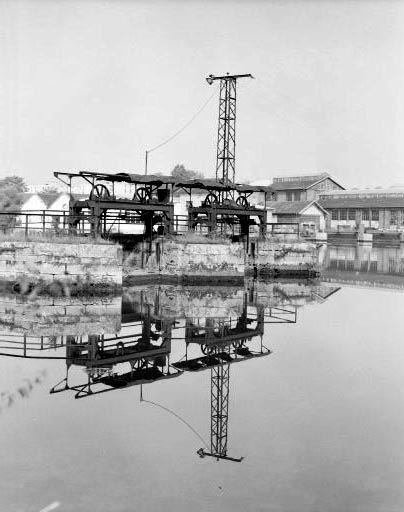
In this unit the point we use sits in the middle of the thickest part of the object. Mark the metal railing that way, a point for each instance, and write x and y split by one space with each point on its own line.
60 222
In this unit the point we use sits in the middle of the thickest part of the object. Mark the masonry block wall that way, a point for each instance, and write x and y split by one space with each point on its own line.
59 316
285 257
74 263
203 259
178 258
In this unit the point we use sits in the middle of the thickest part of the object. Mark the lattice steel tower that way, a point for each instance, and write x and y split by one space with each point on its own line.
219 411
226 133
219 414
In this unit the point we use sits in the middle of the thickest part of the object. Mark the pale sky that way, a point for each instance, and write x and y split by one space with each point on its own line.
90 85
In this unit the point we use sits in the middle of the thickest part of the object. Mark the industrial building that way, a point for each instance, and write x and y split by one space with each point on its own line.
379 209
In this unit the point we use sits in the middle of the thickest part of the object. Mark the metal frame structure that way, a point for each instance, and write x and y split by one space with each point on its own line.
150 205
219 211
225 205
226 132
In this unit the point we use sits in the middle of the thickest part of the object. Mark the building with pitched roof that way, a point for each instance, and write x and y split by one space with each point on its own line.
305 213
303 188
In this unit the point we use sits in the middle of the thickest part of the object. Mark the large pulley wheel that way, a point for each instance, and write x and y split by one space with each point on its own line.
207 350
99 192
242 201
238 344
142 195
210 200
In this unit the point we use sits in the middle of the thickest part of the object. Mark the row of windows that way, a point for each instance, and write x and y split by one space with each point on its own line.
293 196
396 215
394 265
285 179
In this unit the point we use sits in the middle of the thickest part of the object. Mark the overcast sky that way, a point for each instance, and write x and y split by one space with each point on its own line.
90 85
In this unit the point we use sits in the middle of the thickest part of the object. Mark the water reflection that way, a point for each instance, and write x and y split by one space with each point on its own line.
167 332
365 263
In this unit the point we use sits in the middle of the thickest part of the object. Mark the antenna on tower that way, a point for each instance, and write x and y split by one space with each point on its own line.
226 133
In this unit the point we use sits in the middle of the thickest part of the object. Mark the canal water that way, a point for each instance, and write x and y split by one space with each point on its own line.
276 396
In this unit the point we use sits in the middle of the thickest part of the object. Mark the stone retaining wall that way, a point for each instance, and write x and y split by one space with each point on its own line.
91 264
284 258
188 260
57 316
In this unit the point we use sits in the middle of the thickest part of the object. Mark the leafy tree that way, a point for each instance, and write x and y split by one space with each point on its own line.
12 191
15 182
181 173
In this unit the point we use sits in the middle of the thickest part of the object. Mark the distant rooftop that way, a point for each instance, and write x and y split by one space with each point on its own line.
365 192
303 177
291 207
300 182
363 198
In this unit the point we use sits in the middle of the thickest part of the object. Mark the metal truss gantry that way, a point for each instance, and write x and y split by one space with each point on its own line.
226 133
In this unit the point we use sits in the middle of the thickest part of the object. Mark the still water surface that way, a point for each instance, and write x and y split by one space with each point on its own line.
314 373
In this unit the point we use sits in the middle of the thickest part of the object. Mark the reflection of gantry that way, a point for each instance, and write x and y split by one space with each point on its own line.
222 343
147 353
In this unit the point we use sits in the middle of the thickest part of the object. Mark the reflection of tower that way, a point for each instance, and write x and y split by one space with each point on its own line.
219 408
219 411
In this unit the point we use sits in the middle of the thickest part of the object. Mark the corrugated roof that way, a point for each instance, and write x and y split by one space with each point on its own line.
207 184
157 179
252 188
362 202
153 179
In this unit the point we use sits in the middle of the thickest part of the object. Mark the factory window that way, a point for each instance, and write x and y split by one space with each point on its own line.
375 214
393 217
342 215
289 196
297 196
334 214
351 215
365 214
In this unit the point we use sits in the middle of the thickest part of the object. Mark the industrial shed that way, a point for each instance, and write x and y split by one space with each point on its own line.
381 209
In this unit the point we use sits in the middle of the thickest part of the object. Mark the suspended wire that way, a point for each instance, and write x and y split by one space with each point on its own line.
185 125
178 417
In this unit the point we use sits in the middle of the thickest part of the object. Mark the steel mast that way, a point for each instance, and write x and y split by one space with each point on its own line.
226 133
